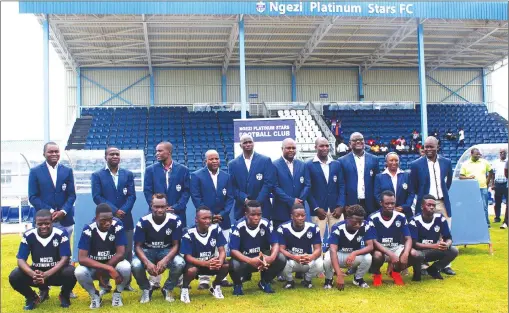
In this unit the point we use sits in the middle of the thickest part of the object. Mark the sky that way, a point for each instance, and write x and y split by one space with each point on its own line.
22 81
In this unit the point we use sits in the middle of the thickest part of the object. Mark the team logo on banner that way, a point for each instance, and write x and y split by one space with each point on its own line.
309 235
224 191
398 223
260 6
111 237
212 242
178 187
335 178
302 179
405 186
262 232
55 243
437 228
259 176
124 191
64 187
168 231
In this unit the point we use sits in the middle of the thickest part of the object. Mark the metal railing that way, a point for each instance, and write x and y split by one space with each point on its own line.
364 105
327 133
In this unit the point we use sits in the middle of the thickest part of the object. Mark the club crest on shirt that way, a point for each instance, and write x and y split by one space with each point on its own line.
405 186
398 223
359 239
168 231
111 237
309 235
437 228
371 173
212 242
302 179
262 232
224 191
335 178
124 191
55 242
64 187
178 187
259 176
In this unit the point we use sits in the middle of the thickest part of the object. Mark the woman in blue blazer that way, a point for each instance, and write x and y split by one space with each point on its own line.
397 181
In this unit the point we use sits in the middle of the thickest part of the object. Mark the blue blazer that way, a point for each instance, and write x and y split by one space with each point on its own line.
322 194
178 188
255 184
43 195
420 180
350 175
404 193
219 201
121 197
288 187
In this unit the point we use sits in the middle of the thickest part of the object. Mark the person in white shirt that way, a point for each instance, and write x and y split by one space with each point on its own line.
499 185
461 137
342 148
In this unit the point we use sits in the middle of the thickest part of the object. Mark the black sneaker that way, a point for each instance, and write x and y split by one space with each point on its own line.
433 272
289 285
306 284
265 287
360 282
417 276
448 271
31 304
65 301
247 277
43 295
497 219
327 284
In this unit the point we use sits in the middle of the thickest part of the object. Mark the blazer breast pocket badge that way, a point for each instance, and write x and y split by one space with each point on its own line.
224 191
302 179
178 187
335 178
405 186
124 191
64 187
371 173
259 176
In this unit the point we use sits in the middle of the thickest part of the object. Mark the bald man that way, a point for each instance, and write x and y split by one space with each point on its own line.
432 174
212 188
252 177
292 183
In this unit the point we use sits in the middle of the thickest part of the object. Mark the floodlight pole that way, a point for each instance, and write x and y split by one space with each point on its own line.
242 70
422 80
45 75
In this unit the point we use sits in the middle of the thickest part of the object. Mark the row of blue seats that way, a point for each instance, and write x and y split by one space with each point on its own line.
11 214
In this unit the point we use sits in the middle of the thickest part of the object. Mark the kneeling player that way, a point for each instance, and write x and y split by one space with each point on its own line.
300 243
391 228
432 238
101 256
50 250
199 246
254 247
350 245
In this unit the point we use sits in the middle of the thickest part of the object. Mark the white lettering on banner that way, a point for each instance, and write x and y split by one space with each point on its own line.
332 7
282 8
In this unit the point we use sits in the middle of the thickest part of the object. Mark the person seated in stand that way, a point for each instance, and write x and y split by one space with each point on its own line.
301 244
370 142
156 244
199 246
375 149
415 135
449 135
254 247
400 148
393 243
384 149
101 255
50 252
350 246
432 238
394 143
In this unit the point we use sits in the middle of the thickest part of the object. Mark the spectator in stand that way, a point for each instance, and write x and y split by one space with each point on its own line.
375 149
384 149
415 136
461 137
418 147
449 135
394 143
370 142
400 148
342 148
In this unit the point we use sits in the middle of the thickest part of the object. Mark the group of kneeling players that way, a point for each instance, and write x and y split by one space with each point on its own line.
360 243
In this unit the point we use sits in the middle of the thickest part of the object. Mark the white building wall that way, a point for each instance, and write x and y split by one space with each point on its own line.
187 86
70 97
338 84
271 85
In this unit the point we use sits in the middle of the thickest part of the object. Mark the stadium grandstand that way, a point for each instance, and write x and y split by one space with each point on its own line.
145 72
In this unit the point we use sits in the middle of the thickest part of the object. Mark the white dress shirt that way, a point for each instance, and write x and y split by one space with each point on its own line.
394 179
324 166
435 186
360 163
214 178
53 173
248 161
168 173
114 176
290 165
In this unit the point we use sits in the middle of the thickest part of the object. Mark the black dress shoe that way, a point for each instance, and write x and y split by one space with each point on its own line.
448 271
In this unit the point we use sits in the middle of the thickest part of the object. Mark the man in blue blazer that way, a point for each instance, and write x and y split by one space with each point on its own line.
327 185
432 174
170 178
51 187
252 176
212 188
397 181
359 171
292 183
115 186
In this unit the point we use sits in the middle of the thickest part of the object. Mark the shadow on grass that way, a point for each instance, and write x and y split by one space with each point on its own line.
480 249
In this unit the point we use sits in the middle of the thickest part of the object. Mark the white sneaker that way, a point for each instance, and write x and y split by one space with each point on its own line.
95 302
116 300
145 296
184 295
217 292
503 226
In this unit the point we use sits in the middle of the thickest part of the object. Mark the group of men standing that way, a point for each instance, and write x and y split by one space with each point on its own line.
268 236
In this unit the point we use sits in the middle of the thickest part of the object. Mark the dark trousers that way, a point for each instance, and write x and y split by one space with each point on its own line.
240 269
22 283
500 192
442 257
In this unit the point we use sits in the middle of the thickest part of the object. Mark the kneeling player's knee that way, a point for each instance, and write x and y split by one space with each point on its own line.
367 258
69 271
454 251
416 254
378 257
81 272
14 275
191 271
136 265
124 267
